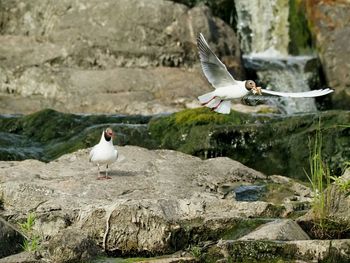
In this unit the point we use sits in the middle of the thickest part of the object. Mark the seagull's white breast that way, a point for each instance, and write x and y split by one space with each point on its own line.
103 153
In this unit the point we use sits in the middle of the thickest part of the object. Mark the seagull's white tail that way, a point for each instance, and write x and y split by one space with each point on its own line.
224 107
206 98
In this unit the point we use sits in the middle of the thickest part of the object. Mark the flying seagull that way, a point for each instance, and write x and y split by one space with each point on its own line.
104 152
227 88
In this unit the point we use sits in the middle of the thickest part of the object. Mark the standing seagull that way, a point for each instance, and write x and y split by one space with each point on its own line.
104 152
227 88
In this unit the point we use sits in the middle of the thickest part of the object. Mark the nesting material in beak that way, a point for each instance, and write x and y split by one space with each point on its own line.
256 90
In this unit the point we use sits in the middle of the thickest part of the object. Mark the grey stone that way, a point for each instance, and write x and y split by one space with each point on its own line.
282 229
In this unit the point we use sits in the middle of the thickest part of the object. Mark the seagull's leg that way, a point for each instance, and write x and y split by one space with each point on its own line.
205 103
98 172
217 105
107 177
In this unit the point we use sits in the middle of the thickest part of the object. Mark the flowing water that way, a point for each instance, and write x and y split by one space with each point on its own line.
263 30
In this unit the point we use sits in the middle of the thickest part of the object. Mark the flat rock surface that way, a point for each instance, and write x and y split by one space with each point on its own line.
152 200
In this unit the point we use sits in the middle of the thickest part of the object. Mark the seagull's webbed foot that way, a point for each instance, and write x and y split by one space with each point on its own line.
104 177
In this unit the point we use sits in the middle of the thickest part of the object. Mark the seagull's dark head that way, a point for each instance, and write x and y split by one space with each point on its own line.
108 134
250 85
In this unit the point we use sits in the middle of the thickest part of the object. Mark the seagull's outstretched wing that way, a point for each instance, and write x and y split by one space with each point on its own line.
214 70
305 94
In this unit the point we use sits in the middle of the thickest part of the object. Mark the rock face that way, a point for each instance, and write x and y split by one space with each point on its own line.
134 56
157 202
330 24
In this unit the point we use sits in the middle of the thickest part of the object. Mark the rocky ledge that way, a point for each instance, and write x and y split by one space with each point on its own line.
157 202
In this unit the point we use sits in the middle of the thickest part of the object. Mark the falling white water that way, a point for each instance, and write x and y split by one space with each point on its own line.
262 25
263 30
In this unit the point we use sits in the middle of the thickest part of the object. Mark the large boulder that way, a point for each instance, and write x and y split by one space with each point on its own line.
134 56
329 21
282 229
157 202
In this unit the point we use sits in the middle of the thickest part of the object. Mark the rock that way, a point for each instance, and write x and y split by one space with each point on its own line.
157 202
57 55
285 229
330 25
23 257
71 245
271 251
10 240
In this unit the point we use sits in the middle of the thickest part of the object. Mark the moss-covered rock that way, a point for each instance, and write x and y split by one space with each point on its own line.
272 144
47 134
268 143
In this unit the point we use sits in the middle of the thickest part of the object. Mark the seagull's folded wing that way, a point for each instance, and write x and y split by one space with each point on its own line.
305 94
214 70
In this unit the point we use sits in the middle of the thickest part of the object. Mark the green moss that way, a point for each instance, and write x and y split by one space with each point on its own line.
260 251
299 33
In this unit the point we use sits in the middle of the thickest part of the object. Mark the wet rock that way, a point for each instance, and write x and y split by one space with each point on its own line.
55 55
284 229
330 25
249 192
10 239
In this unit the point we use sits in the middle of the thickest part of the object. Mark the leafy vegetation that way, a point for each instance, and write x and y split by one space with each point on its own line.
32 241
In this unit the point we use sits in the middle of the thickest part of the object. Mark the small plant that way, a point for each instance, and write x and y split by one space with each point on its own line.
344 185
324 224
195 251
319 179
32 241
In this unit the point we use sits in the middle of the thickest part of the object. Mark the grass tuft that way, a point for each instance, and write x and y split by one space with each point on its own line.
32 241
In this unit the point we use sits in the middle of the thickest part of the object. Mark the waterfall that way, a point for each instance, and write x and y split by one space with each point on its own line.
263 30
263 25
